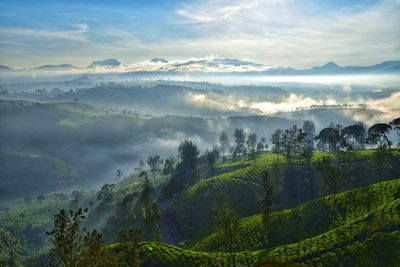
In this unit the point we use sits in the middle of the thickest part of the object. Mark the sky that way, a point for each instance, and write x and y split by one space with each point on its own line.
296 33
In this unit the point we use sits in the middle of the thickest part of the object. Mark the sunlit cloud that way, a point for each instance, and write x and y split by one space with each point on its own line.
384 109
273 32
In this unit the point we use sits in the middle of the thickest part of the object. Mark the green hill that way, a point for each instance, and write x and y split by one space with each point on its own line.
26 174
311 234
193 210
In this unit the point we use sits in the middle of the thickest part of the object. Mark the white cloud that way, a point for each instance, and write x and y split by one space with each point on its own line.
77 34
283 33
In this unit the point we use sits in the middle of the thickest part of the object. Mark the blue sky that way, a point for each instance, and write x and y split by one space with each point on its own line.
276 32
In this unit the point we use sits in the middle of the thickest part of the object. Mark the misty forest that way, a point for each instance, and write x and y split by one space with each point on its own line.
196 154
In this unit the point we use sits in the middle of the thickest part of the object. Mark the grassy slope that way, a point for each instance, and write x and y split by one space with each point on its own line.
356 238
193 210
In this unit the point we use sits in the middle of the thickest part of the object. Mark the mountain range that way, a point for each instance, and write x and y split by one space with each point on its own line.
212 65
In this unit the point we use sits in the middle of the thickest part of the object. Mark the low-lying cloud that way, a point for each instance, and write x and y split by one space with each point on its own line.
387 108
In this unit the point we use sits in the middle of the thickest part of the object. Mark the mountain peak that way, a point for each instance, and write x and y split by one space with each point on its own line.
111 62
56 67
331 64
5 68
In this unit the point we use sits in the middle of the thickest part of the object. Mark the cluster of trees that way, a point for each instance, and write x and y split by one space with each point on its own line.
302 142
73 246
185 171
244 144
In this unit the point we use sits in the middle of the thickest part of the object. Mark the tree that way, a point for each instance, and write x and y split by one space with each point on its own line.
308 147
377 135
152 219
185 171
13 249
211 157
224 143
154 164
331 137
260 147
270 189
169 166
188 154
381 159
292 143
333 177
106 193
240 138
129 238
251 143
66 238
226 224
353 136
94 251
147 189
276 140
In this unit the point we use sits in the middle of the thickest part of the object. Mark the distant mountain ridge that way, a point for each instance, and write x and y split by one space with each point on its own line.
217 66
56 67
106 63
5 68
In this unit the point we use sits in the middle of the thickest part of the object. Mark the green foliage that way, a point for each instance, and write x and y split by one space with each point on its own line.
12 249
226 223
313 229
66 237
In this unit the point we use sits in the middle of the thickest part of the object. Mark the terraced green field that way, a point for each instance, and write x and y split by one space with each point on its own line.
193 210
312 234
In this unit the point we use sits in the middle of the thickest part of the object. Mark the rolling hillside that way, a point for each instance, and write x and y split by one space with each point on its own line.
311 234
193 210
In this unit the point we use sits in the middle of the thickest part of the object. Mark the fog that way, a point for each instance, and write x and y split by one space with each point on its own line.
93 125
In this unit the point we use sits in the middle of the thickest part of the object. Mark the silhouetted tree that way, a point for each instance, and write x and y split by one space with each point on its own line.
251 143
154 163
152 219
271 186
260 147
224 143
129 238
226 224
147 189
66 238
277 142
333 177
240 139
381 159
293 140
330 136
185 171
169 166
353 136
211 157
106 193
188 154
377 134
